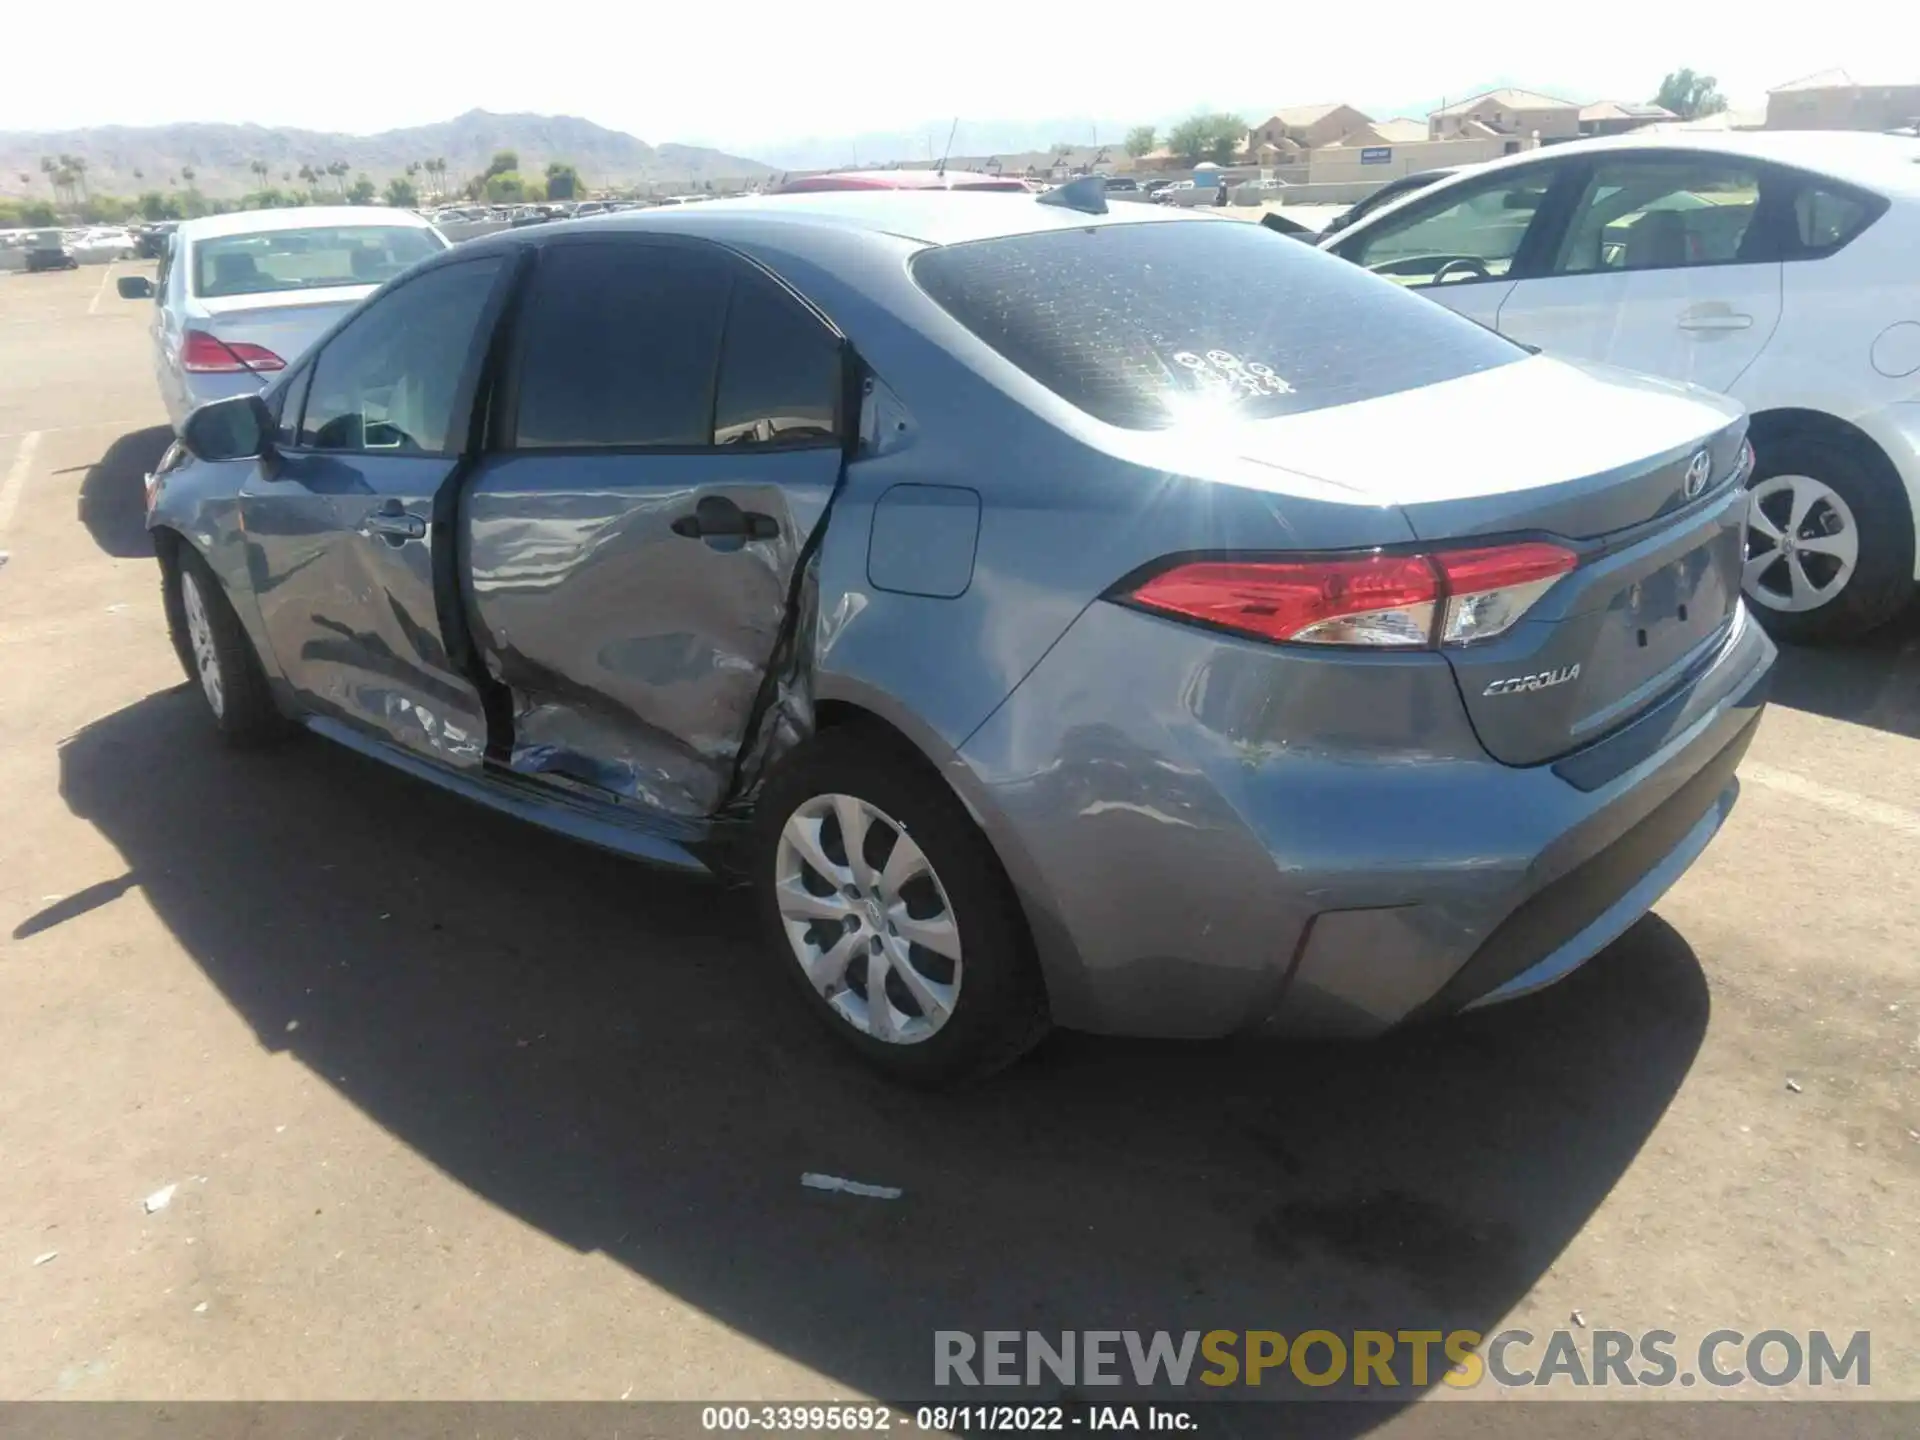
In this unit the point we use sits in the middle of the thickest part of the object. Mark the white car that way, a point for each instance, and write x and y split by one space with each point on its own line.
240 297
1777 268
105 243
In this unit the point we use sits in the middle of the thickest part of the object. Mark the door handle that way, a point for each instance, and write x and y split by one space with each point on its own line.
721 523
1719 319
396 528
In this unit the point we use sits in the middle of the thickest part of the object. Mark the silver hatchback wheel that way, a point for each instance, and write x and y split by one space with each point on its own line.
206 659
867 919
1803 543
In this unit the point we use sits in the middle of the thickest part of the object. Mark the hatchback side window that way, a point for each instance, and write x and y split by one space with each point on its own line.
1825 218
1662 213
389 380
621 345
780 370
1471 232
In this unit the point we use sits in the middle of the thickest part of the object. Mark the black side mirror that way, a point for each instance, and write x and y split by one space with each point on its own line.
134 287
237 428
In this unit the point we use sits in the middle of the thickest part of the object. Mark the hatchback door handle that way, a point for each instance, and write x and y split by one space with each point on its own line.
397 528
1717 318
721 523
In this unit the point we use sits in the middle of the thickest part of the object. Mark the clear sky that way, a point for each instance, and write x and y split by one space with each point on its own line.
745 74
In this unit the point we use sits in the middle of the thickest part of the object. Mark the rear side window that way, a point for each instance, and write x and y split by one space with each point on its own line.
780 371
1826 217
621 345
1154 325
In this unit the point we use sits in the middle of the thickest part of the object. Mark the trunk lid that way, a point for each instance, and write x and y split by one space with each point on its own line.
286 322
1604 462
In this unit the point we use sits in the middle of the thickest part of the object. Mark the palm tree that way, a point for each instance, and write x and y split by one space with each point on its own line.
186 173
309 175
338 169
260 168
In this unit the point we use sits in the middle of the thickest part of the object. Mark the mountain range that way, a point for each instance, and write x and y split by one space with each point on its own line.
124 160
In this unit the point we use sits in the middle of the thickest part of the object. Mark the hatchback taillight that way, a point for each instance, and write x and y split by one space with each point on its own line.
205 354
1382 601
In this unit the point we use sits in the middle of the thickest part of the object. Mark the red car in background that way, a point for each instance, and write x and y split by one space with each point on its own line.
903 180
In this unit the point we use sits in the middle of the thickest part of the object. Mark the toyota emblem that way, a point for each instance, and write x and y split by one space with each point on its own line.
1699 471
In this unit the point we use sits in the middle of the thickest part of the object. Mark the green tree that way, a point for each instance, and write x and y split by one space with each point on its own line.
309 175
362 192
155 206
1690 96
504 162
338 170
401 194
563 181
1141 140
502 186
1216 137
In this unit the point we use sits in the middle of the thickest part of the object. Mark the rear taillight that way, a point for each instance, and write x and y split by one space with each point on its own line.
205 354
1382 601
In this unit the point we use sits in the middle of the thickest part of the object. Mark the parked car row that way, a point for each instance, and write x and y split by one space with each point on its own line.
1309 658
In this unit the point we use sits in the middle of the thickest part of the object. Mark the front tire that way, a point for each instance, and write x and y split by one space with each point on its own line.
217 655
889 914
1830 542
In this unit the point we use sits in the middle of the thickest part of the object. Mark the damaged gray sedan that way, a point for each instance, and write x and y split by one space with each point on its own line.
1133 621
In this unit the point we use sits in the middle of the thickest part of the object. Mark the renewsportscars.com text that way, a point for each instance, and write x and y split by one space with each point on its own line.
1390 1359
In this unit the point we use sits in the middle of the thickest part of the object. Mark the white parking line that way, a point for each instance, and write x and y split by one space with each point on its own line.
16 480
1828 797
94 307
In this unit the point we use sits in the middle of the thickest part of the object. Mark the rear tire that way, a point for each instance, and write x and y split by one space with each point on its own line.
958 1007
1830 541
217 655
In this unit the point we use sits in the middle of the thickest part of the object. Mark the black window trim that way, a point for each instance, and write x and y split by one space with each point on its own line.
459 425
503 428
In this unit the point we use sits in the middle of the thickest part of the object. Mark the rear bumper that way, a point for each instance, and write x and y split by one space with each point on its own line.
196 390
1267 859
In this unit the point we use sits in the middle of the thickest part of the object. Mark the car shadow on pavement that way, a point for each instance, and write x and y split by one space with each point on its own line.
594 1048
1873 681
113 497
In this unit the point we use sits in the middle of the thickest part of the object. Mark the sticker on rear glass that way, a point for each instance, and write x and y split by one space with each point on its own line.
1222 370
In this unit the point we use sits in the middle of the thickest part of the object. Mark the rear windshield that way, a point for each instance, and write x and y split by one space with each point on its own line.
1154 325
307 259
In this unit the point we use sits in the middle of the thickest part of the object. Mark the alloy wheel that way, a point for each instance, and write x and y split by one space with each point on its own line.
1802 543
867 919
206 659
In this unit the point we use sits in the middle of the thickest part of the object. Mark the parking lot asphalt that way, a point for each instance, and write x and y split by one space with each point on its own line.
454 1108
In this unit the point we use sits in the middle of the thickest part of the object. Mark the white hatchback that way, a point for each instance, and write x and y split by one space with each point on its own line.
1782 269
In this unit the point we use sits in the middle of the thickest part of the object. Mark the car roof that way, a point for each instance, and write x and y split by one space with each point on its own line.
304 217
895 180
1887 163
932 217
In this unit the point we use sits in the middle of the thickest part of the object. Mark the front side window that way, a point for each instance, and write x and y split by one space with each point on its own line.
1156 325
621 344
389 381
320 258
1661 213
1470 232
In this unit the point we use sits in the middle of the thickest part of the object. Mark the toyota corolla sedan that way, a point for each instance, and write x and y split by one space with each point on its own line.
1132 621
240 297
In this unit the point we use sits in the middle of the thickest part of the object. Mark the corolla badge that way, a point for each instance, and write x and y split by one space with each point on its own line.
1699 471
1545 680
